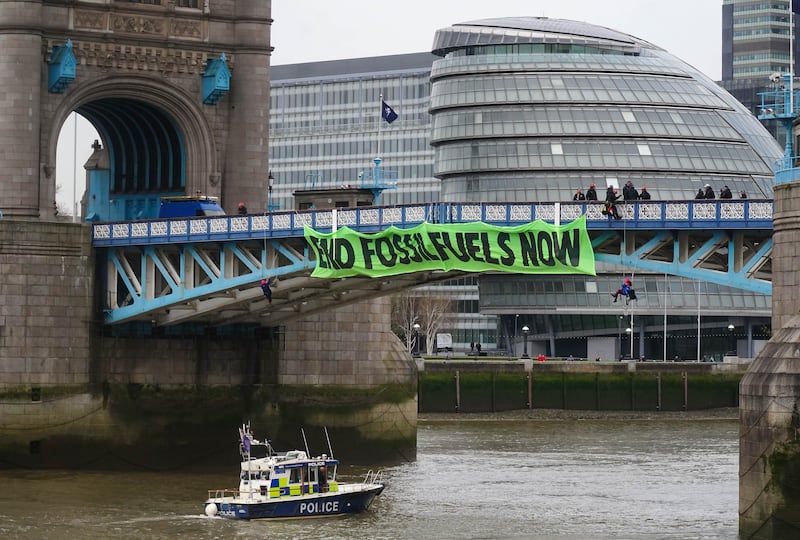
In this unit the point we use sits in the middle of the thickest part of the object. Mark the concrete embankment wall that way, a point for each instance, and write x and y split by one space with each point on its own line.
490 386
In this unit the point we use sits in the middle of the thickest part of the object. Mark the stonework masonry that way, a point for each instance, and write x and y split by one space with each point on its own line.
352 345
47 288
141 52
769 442
21 66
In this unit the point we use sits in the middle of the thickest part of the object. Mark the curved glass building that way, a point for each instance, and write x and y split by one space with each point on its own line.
533 108
530 109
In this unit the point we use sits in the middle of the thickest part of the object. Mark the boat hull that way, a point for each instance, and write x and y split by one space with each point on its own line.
289 507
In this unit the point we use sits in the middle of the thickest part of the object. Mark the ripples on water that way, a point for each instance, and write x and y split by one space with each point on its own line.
493 480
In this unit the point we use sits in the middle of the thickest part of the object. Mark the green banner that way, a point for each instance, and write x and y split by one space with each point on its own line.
534 248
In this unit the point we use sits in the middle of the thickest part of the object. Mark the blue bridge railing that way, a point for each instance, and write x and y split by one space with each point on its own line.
720 213
787 169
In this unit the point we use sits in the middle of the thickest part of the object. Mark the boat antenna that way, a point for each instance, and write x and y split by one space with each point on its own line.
305 441
330 448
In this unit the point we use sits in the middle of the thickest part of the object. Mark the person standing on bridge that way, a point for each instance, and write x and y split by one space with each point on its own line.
242 209
591 193
609 205
629 192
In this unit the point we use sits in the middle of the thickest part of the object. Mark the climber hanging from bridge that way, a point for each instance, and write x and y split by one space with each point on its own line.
626 290
265 287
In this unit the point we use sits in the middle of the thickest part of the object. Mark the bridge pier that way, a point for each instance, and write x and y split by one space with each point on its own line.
346 370
75 392
769 442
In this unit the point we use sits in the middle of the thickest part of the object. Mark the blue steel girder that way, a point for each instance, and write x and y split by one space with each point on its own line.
208 269
739 259
219 283
185 281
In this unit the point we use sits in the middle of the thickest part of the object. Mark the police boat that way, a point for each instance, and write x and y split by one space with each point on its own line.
289 484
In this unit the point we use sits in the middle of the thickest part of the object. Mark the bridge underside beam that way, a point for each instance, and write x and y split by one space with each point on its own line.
738 259
218 283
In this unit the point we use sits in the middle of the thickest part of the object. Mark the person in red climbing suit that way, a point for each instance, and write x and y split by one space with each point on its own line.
625 290
265 287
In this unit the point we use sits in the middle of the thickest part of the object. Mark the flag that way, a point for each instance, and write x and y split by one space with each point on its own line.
387 112
245 441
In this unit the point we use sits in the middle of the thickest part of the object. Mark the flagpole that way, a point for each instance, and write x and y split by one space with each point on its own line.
791 57
380 121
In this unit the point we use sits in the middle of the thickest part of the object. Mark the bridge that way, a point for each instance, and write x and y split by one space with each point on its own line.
208 270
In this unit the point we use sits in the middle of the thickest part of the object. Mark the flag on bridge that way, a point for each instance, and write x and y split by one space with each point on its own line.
387 112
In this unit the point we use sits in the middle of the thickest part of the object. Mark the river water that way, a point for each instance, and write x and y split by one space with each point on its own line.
472 479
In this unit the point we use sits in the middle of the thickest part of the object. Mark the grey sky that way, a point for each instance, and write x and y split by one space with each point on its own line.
313 30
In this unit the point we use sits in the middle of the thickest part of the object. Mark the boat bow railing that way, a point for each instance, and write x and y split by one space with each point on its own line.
374 477
220 493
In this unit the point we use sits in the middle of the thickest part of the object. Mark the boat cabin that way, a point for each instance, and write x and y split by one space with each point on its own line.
288 474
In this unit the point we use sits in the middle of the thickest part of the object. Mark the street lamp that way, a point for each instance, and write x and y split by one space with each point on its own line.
525 331
269 192
732 349
415 354
629 331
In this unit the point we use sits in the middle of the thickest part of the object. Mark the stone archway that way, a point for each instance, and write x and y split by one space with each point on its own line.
162 119
152 51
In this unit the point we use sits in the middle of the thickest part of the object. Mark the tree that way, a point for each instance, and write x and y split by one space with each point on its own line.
429 309
404 316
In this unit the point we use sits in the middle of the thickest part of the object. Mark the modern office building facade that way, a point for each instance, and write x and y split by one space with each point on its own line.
756 38
756 43
326 126
529 109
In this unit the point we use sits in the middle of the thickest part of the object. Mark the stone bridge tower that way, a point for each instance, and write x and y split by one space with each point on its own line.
177 89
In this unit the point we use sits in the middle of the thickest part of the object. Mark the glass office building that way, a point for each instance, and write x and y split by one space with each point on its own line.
326 127
529 109
756 37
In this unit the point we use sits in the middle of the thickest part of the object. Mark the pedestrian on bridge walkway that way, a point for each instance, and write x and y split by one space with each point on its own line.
609 205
